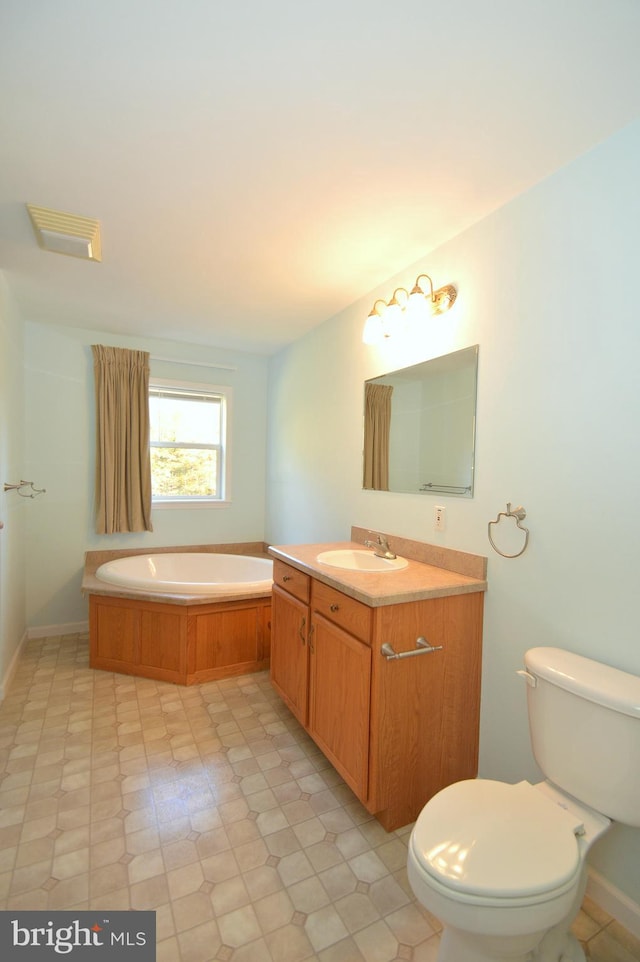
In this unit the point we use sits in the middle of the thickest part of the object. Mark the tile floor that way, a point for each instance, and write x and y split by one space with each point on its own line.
210 805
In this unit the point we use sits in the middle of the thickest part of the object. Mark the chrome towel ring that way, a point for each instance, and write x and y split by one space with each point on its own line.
519 514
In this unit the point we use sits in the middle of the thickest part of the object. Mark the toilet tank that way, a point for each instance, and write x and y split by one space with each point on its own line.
584 719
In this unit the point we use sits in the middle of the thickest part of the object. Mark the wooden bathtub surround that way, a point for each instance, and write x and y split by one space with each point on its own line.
185 639
184 644
397 730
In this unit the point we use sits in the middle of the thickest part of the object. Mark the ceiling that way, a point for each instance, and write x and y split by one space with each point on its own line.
258 165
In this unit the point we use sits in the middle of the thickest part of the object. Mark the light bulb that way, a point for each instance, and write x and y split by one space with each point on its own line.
372 333
373 328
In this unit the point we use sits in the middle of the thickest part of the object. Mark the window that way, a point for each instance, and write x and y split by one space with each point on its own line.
189 442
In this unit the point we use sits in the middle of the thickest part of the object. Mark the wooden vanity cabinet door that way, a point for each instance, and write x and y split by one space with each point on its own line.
290 652
425 709
339 700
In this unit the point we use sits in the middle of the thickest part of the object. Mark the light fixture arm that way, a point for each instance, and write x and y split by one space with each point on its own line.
418 290
374 309
394 302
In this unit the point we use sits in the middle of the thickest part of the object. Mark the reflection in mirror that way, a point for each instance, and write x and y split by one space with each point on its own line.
419 427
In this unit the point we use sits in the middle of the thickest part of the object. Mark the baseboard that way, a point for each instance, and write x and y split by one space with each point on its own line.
13 664
623 909
53 631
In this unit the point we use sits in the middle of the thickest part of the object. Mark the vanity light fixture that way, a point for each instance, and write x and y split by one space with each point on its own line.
385 321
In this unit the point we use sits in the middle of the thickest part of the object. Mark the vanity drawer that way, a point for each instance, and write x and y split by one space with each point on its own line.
346 612
297 583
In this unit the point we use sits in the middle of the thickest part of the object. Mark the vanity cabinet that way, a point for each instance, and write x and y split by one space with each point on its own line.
397 730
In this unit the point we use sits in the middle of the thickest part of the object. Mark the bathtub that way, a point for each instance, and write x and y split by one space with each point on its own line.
190 573
182 617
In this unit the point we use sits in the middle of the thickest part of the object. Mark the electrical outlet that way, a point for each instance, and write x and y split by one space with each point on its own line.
439 518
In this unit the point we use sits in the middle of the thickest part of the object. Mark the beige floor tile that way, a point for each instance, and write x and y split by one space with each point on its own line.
409 925
427 951
604 948
167 950
325 927
377 943
262 881
146 866
191 910
228 896
357 911
199 944
626 939
239 927
257 951
289 944
274 911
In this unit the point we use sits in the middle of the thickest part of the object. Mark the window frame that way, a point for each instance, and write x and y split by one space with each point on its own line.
158 385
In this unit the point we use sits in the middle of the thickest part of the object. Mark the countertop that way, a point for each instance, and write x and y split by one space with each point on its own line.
417 582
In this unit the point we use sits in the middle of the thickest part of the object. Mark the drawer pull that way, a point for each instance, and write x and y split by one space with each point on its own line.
334 607
422 648
287 577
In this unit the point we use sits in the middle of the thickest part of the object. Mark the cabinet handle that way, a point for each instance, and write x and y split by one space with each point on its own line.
422 648
301 631
287 577
334 607
311 631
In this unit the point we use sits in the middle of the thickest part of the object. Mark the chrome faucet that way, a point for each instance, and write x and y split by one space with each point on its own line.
381 547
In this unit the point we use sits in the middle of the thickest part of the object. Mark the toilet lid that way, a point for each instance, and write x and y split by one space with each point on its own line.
488 838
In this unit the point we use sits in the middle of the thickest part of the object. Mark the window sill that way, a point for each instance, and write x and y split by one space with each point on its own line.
189 503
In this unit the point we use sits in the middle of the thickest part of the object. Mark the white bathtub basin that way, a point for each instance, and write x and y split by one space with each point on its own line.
355 560
192 573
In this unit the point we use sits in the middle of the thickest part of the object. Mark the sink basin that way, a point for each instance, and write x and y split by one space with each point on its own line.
355 560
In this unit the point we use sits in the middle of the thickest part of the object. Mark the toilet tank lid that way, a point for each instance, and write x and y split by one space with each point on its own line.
592 680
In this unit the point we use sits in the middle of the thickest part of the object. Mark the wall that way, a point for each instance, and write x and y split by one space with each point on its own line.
60 435
13 509
547 288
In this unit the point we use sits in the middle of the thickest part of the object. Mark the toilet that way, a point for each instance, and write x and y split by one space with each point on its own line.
503 867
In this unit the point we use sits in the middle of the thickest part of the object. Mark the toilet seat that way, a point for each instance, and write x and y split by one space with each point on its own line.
486 840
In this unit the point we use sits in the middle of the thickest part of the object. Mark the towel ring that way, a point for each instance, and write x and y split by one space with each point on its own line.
19 489
519 514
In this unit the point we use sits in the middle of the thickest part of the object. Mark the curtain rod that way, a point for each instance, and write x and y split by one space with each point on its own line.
178 360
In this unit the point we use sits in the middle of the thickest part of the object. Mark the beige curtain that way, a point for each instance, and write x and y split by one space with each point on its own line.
377 424
123 467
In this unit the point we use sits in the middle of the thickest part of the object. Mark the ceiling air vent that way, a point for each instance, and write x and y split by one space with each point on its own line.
64 233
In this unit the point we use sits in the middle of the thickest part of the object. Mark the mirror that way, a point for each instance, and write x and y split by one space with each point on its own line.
419 427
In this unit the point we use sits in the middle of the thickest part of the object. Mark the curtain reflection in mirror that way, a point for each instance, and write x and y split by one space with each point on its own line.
377 414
